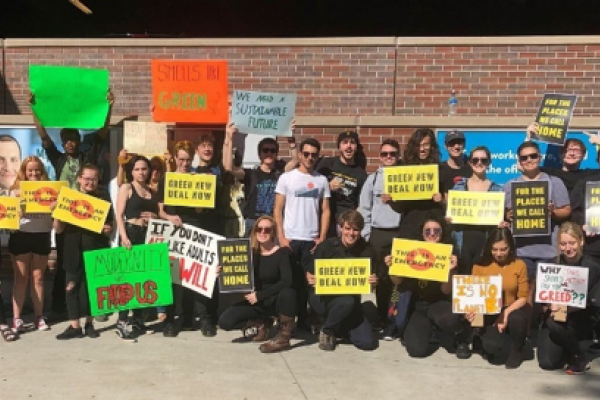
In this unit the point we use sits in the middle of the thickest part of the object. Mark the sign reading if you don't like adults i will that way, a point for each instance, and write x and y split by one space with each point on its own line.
411 182
190 190
263 113
81 210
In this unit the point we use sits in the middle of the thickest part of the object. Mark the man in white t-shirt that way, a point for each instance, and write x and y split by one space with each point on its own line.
302 215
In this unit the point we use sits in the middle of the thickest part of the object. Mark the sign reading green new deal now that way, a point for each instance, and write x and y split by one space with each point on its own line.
68 97
120 279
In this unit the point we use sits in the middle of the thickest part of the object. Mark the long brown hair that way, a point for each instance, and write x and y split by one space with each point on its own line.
253 241
21 174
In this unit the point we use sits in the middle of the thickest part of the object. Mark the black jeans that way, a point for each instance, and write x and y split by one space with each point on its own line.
136 235
202 307
236 316
78 301
422 320
493 340
304 262
344 317
58 286
381 240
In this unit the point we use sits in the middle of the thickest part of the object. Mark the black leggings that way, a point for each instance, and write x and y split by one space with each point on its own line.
78 301
58 286
559 341
236 316
493 340
2 315
136 235
381 240
203 307
472 246
421 321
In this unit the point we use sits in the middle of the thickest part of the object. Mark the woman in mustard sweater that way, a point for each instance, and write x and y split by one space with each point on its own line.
500 258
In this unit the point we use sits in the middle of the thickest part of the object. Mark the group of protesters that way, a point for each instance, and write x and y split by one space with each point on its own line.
311 207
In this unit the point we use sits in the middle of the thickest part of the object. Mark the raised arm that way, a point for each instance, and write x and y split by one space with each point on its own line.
110 97
46 140
237 172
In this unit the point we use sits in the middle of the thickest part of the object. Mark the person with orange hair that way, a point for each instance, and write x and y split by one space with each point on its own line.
30 247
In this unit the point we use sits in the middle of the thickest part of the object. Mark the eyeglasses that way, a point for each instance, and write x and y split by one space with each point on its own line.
308 154
433 232
385 154
263 229
87 179
477 160
269 150
184 160
532 156
575 150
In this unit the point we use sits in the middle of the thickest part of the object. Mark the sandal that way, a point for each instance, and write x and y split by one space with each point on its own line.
8 334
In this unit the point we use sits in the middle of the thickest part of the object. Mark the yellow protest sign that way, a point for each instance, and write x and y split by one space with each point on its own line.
411 182
342 276
421 260
81 210
475 208
39 195
9 213
190 190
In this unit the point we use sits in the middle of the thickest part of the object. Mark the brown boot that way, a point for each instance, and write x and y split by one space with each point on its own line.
282 340
258 330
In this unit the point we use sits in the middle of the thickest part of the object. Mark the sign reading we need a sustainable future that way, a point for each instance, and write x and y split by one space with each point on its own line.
81 210
190 190
39 195
263 113
411 182
421 260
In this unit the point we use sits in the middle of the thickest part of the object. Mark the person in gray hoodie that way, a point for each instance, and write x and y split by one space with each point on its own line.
381 222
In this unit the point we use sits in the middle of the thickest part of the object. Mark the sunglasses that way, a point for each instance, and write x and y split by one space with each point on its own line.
433 232
308 154
385 154
483 161
265 229
269 150
532 156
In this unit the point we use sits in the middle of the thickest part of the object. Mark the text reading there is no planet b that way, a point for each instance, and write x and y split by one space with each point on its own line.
190 91
264 113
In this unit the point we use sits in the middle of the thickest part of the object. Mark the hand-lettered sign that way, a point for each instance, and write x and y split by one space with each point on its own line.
562 285
263 113
421 260
480 294
147 138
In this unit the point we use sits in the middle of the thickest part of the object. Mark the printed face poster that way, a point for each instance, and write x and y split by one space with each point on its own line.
592 207
476 294
562 285
237 272
554 116
343 276
531 216
475 208
421 260
411 182
263 113
121 279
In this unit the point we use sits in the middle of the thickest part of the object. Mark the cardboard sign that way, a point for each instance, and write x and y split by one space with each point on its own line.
411 182
190 190
68 97
553 117
237 270
192 251
562 285
531 216
39 195
81 210
9 213
421 260
263 113
148 138
480 294
342 276
592 207
190 91
475 208
120 279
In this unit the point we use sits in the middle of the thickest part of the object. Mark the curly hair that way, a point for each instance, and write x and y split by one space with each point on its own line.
21 174
411 153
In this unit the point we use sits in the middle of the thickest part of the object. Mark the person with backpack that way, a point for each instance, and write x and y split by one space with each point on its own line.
260 181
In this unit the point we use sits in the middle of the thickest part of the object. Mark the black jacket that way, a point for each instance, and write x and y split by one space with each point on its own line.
592 243
593 265
334 248
58 159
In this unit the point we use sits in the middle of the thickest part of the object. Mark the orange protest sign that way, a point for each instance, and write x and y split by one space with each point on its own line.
192 91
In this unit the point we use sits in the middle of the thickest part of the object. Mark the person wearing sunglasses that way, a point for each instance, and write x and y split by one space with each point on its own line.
259 182
273 294
302 215
469 239
381 222
431 308
542 248
455 167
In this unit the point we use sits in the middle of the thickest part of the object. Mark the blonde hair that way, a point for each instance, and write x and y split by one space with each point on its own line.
254 245
21 174
574 230
184 145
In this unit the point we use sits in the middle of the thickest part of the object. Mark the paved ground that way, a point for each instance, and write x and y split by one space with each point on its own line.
191 366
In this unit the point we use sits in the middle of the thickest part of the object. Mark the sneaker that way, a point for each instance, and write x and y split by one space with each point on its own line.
139 325
463 351
173 328
515 359
578 365
326 341
207 328
123 330
389 332
91 332
18 325
70 333
41 325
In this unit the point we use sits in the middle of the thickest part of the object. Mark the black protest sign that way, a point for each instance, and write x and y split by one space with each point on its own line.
553 117
531 216
235 259
592 207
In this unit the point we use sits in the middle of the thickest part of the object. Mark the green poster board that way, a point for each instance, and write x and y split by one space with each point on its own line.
120 279
68 97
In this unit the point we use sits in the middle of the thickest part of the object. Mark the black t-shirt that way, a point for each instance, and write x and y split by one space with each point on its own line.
570 178
259 191
272 273
422 290
188 215
450 176
352 177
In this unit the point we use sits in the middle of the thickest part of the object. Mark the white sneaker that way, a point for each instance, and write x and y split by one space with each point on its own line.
18 325
41 325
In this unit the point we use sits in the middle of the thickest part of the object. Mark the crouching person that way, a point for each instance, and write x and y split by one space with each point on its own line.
342 314
273 296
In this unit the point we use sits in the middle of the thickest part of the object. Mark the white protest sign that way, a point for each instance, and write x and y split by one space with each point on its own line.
263 113
147 138
193 254
563 285
480 294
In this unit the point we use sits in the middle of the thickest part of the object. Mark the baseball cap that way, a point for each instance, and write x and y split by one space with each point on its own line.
454 135
348 135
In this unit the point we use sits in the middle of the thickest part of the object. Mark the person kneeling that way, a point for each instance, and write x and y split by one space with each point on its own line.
273 295
343 314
